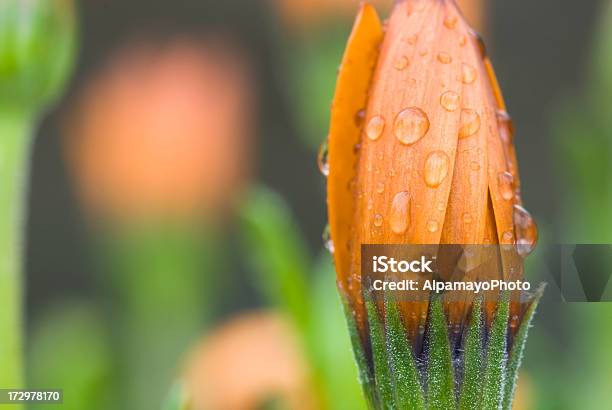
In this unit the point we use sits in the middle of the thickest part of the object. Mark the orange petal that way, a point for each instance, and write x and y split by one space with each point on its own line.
350 100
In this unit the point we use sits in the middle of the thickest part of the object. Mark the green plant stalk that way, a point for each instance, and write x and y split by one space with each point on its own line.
162 278
15 141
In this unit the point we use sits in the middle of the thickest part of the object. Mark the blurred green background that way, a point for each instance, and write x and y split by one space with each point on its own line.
93 330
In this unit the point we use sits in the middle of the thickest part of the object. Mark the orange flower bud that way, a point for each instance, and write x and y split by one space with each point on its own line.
420 145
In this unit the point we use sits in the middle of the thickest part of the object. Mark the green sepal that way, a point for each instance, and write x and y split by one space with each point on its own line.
407 386
495 365
472 381
518 348
440 376
382 370
366 378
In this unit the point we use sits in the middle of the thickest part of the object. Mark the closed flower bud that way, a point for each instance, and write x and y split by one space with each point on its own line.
420 150
37 42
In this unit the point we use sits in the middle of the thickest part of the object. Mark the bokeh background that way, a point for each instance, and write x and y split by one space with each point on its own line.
247 85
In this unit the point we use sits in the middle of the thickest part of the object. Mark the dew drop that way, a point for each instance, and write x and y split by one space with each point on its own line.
445 58
506 181
375 127
467 218
400 212
423 52
462 41
360 117
507 237
468 73
327 241
450 22
450 100
436 168
526 231
470 123
441 206
432 226
380 187
401 63
475 166
370 204
411 125
412 39
322 160
506 127
378 220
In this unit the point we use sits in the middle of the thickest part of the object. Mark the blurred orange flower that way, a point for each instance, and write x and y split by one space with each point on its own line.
252 360
163 131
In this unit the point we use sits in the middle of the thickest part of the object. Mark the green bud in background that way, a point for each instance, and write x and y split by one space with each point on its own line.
37 44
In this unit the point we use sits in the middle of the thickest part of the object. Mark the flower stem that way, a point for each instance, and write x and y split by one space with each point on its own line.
15 138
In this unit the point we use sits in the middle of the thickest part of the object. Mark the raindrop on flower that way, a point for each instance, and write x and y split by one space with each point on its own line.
469 123
436 168
506 182
322 160
468 73
401 63
400 212
432 226
450 100
411 125
445 58
378 220
375 127
327 241
526 231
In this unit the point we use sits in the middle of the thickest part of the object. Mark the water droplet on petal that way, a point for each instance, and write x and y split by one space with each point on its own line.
401 63
400 212
360 117
468 73
475 166
506 182
412 39
378 220
450 22
450 100
432 226
375 127
506 127
445 58
526 231
467 218
327 241
380 187
411 125
370 204
462 41
322 161
470 123
436 168
507 237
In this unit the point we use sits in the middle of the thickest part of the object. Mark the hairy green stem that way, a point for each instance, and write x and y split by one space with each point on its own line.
15 139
